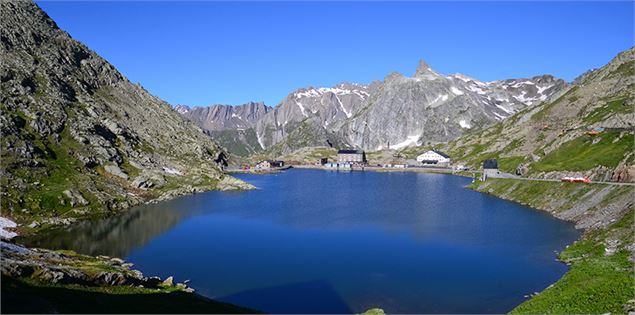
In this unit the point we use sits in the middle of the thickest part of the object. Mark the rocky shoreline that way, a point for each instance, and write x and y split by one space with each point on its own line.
67 267
49 267
600 262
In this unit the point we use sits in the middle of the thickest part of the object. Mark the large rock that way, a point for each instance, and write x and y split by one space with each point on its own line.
115 170
75 198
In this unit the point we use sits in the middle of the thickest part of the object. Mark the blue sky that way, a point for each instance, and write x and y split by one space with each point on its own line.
202 53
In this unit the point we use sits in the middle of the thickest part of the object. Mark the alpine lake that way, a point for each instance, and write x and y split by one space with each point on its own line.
314 241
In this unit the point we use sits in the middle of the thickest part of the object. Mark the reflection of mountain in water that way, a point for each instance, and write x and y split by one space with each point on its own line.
116 236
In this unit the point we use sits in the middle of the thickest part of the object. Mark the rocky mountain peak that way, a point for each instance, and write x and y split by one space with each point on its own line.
393 76
182 109
424 70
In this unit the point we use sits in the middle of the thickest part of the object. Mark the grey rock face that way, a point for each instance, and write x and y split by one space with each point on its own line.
222 117
230 126
398 112
431 108
324 108
115 170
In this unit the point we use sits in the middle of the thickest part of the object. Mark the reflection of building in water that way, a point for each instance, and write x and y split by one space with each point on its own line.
116 236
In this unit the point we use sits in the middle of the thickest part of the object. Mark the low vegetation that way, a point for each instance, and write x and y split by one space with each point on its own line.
21 295
599 281
601 276
586 152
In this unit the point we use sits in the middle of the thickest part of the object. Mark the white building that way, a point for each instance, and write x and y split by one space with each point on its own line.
263 165
434 157
351 156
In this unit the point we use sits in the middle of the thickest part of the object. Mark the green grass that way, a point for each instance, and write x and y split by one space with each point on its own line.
616 106
29 296
596 283
509 164
581 154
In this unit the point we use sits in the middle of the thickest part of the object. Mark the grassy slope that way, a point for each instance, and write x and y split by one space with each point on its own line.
596 283
587 152
29 296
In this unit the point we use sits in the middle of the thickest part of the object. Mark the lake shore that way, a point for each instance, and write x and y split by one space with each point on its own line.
49 281
603 230
441 170
601 262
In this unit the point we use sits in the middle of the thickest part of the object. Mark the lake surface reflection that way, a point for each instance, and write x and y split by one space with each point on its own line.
311 241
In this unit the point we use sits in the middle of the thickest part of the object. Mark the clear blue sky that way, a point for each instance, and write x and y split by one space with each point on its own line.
202 53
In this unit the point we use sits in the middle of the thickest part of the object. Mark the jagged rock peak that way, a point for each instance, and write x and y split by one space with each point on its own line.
182 109
423 69
392 76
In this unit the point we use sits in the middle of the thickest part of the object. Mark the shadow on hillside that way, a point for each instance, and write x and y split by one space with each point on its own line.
20 297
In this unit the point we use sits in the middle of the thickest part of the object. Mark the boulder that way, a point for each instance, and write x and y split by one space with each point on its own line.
75 197
148 180
115 170
169 281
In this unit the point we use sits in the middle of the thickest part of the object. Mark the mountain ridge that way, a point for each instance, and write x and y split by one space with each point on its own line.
350 114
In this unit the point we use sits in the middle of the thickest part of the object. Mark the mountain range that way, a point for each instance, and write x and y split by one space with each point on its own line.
395 113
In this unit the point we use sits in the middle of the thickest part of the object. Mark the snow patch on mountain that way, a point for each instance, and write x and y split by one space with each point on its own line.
464 124
412 140
456 91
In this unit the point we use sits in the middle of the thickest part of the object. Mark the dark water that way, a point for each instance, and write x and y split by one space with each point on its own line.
310 241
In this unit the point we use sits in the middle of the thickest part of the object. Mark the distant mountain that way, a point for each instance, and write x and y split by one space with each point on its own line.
322 110
587 130
231 126
398 112
431 108
222 117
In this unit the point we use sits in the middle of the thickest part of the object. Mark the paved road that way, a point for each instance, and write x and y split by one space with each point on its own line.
511 176
557 180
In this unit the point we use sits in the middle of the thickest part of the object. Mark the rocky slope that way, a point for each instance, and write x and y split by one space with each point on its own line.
78 138
313 108
559 137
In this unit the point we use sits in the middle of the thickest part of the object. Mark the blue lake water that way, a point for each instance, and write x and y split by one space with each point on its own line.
312 241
